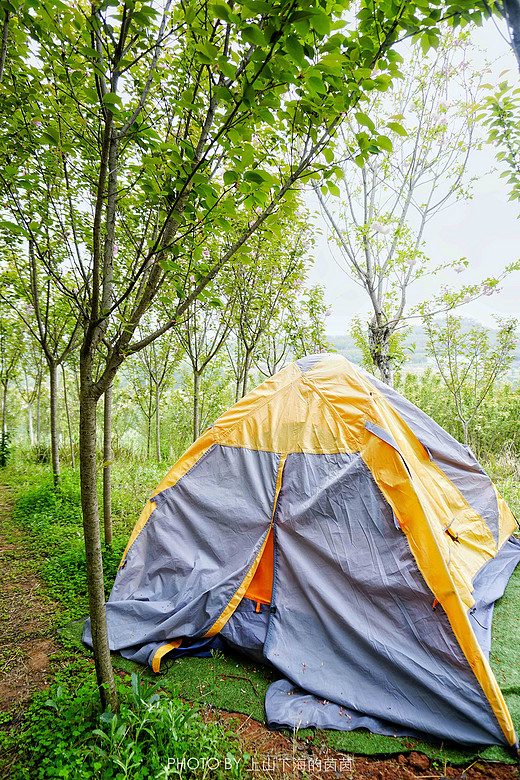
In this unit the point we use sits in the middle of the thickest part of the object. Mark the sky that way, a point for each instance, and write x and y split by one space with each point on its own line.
485 230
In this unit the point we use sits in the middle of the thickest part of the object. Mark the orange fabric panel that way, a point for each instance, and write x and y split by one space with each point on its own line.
261 586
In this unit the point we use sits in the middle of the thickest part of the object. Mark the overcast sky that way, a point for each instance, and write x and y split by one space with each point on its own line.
485 230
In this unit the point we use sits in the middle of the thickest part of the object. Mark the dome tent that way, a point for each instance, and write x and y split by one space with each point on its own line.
331 528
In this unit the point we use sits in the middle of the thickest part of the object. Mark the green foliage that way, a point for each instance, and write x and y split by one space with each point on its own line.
66 735
41 453
501 117
215 396
469 363
494 433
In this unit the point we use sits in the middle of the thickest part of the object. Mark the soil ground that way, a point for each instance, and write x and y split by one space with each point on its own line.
28 640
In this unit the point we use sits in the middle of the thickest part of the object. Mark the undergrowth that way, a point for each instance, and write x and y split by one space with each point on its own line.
52 521
66 735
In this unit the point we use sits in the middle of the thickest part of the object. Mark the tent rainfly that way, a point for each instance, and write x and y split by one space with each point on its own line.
327 526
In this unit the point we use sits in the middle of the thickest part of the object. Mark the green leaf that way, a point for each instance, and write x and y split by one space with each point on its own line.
259 177
384 143
221 11
321 23
253 34
299 16
51 136
111 98
208 53
316 83
397 128
295 50
230 177
328 154
365 120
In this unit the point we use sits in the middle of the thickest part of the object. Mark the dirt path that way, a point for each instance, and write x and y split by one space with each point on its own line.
27 640
26 637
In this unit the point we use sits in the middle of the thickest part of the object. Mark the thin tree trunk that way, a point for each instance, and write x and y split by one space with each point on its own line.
30 424
55 452
196 404
30 395
38 416
91 530
157 422
245 376
107 466
4 409
3 49
71 443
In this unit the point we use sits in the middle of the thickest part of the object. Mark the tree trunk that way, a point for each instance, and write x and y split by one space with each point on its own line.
196 404
245 375
30 424
71 442
157 422
379 345
4 409
55 452
91 530
38 416
30 397
107 466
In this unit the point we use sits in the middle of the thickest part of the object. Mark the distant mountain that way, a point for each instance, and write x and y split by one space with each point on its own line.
415 343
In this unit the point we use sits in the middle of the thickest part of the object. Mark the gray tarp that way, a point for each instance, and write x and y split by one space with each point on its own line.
348 587
193 552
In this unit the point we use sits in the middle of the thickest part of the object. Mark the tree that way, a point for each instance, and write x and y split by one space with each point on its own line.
298 330
9 366
29 291
388 200
153 116
469 363
510 10
30 385
150 372
201 336
260 286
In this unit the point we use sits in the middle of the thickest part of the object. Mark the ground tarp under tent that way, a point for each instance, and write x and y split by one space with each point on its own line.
327 526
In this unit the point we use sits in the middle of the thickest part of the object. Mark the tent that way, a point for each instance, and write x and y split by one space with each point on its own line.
326 525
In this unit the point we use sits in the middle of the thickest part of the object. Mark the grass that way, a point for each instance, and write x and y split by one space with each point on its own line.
53 524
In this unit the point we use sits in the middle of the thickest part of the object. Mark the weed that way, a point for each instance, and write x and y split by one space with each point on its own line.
67 736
